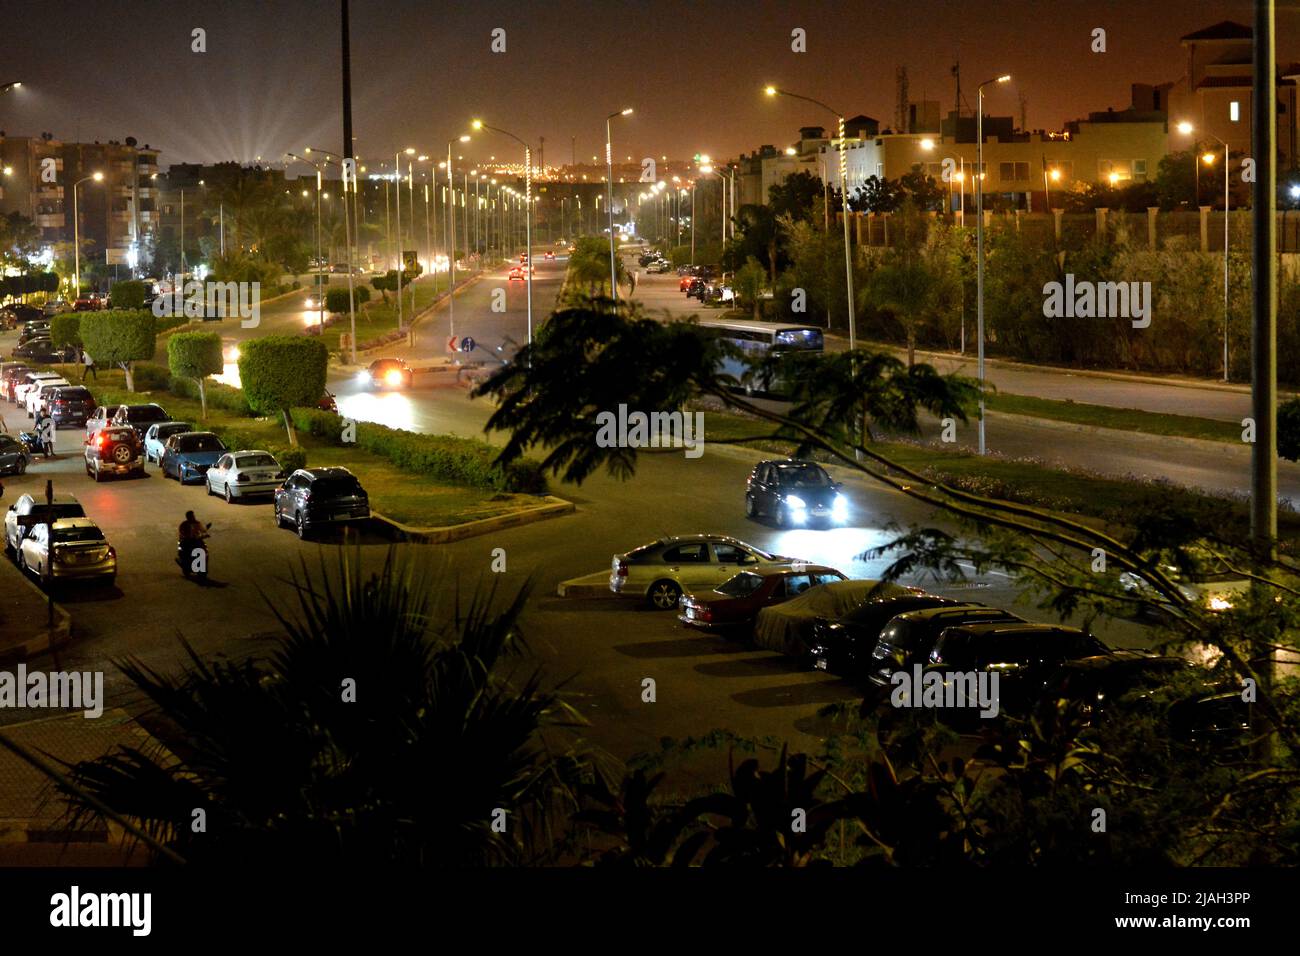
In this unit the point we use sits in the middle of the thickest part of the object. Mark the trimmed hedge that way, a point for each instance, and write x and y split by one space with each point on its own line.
65 329
463 461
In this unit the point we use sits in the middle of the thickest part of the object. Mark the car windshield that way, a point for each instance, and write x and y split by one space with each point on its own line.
199 443
255 461
78 534
746 582
146 413
336 487
804 476
76 394
60 509
166 430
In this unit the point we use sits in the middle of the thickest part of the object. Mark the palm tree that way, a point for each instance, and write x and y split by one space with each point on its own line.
378 732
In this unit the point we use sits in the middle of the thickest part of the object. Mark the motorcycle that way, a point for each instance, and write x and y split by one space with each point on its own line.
192 556
32 443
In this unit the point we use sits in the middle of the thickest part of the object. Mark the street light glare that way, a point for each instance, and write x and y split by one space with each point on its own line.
770 90
628 111
410 151
1185 127
1004 78
1208 159
98 177
927 144
465 138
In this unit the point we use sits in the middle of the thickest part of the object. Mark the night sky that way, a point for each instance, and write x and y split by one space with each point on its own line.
270 82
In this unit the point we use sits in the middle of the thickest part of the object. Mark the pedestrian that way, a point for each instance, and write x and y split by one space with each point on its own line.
88 366
45 430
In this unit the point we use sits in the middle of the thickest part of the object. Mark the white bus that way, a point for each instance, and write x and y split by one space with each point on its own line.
756 340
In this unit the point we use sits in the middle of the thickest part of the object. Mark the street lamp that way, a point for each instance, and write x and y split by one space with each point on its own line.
348 216
1208 158
528 215
76 231
320 291
609 198
844 200
979 237
451 236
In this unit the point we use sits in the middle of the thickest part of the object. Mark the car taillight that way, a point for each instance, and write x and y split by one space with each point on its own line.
241 477
703 614
622 569
112 551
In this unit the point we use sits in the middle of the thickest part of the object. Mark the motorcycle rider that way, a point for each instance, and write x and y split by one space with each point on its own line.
190 537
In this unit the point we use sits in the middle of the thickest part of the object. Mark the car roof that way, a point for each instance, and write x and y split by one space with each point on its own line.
950 610
162 425
333 471
65 523
131 408
786 570
1125 659
58 499
1017 627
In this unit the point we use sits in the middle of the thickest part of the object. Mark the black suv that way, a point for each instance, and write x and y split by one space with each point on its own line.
314 497
71 405
909 638
794 493
115 450
1024 656
844 646
140 417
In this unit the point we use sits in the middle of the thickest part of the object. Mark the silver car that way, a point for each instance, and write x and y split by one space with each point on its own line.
662 571
239 474
156 437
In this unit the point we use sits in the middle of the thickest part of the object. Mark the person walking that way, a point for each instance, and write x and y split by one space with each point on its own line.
45 430
87 366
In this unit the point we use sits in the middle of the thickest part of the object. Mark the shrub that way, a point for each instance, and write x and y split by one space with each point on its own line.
195 356
119 337
281 372
465 461
65 329
150 377
128 294
290 459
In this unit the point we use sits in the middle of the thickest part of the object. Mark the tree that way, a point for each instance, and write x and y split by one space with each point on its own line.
796 196
750 280
119 337
128 294
409 771
281 372
336 300
65 329
195 355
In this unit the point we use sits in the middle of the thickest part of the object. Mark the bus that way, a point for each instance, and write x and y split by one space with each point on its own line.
758 339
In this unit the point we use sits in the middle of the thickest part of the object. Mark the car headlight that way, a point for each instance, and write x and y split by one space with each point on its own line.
394 377
840 506
794 501
363 376
1219 602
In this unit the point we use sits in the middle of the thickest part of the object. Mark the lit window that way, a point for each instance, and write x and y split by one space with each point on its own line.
1234 111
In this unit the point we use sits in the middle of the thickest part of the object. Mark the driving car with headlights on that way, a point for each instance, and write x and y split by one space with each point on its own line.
795 494
388 373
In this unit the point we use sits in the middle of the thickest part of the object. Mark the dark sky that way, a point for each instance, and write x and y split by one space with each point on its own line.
108 69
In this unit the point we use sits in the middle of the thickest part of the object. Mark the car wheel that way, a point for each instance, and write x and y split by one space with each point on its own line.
782 519
300 526
664 594
751 510
207 486
230 499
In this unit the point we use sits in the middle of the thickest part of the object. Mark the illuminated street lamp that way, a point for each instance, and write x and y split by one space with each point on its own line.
979 238
76 231
1186 129
609 200
844 200
320 291
349 215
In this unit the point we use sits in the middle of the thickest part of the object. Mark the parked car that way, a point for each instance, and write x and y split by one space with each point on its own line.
663 570
56 307
114 450
389 373
101 417
14 456
86 304
658 268
1208 582
795 493
844 645
908 638
732 606
71 405
140 417
328 403
33 331
10 372
63 506
311 498
157 436
37 399
1096 684
1023 655
187 456
29 381
787 628
241 474
40 350
70 548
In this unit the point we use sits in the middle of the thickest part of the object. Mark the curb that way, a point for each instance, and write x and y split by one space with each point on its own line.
594 585
553 508
45 640
1200 444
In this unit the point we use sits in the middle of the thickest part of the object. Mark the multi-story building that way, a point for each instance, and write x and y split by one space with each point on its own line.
117 213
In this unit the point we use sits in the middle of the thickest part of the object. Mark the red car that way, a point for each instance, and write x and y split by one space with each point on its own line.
734 604
550 255
684 284
518 272
327 403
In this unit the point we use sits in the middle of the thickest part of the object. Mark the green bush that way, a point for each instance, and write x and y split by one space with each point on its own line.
290 459
120 337
448 458
281 372
150 377
128 294
65 329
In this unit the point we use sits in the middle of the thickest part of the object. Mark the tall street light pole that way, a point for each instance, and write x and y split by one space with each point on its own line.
528 215
320 289
979 237
76 229
451 237
609 197
348 218
1263 356
844 202
1186 129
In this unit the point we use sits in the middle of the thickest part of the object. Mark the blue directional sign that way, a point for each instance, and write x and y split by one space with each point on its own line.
466 344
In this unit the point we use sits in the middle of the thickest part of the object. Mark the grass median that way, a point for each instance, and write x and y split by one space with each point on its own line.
1120 419
411 498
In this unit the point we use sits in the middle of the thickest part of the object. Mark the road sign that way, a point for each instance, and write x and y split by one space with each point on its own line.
467 344
451 344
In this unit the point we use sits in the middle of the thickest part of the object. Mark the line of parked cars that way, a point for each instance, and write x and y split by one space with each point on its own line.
869 631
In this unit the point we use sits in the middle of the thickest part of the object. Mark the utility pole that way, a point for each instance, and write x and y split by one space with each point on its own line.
1263 504
349 162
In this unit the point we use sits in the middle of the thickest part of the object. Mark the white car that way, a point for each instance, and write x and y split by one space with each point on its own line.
662 571
156 437
64 506
238 474
38 398
30 381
